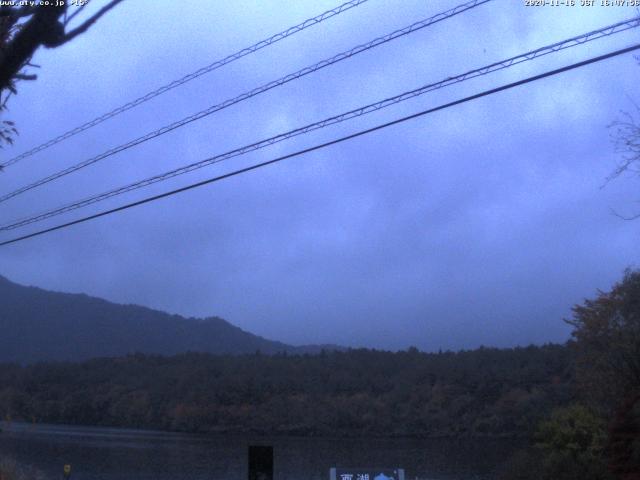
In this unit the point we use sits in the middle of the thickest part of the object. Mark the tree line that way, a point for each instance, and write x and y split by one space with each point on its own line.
484 392
578 403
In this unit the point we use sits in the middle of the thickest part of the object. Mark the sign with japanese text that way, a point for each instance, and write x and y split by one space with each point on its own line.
366 474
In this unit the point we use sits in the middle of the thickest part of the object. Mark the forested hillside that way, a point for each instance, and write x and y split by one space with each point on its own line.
471 393
39 325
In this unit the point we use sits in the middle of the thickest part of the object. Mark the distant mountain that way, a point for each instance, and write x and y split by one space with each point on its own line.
40 325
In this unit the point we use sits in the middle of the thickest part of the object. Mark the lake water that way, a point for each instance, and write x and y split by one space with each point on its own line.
123 454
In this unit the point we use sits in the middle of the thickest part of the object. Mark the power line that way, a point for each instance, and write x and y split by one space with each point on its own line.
247 95
187 78
571 42
332 142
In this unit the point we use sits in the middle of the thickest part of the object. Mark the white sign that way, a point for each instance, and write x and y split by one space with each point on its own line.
366 474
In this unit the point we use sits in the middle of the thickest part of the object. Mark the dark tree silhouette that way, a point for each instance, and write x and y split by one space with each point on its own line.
607 342
24 29
624 440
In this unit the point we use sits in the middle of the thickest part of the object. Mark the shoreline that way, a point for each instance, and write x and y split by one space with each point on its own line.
29 427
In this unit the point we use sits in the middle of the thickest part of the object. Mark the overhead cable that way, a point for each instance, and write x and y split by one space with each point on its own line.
539 52
187 78
247 95
327 144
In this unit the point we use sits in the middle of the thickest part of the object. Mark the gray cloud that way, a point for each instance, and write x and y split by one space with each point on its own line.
481 224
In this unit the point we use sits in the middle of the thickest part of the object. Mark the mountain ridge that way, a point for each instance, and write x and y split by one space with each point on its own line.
42 325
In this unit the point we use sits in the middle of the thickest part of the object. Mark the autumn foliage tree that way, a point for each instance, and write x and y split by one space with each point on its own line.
606 334
572 441
607 344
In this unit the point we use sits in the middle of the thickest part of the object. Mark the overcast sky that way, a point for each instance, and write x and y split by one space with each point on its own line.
480 224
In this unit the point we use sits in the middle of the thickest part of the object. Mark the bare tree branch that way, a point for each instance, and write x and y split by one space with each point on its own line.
625 136
41 29
626 139
85 25
17 12
24 76
76 12
632 217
